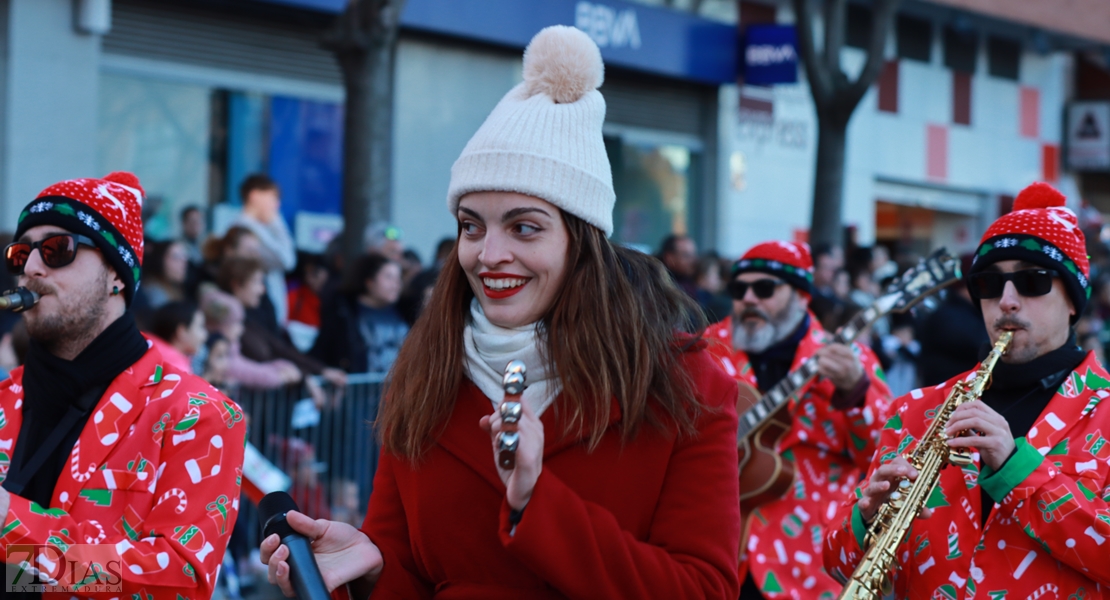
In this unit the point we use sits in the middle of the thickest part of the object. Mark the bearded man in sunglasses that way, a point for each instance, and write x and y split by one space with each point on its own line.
1029 517
835 419
114 463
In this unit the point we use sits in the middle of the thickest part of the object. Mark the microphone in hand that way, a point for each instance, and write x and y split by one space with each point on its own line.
304 574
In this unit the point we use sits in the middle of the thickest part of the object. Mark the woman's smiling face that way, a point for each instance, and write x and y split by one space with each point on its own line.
513 249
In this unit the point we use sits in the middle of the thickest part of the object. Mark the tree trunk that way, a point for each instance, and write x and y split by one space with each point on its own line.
367 142
835 96
364 40
828 183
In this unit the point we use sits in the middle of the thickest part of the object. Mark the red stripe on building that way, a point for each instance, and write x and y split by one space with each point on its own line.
1050 162
1030 112
936 152
961 98
888 87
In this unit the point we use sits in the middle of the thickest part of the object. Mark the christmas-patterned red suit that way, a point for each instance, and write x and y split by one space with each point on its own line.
1046 539
830 449
155 474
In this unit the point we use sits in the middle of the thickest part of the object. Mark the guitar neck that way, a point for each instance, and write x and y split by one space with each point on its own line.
800 377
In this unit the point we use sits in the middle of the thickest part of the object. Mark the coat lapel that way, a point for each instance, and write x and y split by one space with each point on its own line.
1077 397
464 439
107 426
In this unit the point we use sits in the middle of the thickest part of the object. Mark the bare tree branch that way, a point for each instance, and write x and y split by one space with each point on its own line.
876 50
835 17
820 81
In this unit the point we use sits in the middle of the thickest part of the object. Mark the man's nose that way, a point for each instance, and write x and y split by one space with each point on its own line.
34 267
1011 299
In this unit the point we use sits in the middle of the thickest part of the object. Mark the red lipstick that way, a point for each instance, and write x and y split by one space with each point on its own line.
501 294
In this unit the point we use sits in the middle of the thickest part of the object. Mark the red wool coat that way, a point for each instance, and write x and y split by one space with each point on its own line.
154 475
1045 540
830 449
656 517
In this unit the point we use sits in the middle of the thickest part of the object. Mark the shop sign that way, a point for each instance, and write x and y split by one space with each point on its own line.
770 54
635 36
608 26
1088 137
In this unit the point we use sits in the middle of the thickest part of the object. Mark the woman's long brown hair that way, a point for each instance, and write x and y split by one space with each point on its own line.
610 332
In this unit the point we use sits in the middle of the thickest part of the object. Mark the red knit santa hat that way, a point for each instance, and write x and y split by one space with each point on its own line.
1040 230
789 261
108 210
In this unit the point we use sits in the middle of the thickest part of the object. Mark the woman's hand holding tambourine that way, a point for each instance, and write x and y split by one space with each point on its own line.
520 480
517 436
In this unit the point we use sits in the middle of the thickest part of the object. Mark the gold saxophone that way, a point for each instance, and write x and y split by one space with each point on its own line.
871 579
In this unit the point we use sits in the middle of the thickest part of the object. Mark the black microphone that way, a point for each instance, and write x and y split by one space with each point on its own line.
18 300
304 574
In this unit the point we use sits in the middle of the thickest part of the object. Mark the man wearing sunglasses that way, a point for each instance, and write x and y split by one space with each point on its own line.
1029 517
108 454
834 421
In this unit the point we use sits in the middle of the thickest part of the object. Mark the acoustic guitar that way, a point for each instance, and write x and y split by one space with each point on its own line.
764 419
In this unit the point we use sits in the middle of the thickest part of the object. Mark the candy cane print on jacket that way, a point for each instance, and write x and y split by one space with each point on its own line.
130 487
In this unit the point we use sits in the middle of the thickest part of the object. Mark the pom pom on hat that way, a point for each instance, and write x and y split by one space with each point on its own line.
1039 195
544 139
1040 230
563 63
126 179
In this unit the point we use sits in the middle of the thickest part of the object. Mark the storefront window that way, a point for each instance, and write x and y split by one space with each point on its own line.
655 185
160 132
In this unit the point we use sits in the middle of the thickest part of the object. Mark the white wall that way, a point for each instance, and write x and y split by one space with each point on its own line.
50 108
443 94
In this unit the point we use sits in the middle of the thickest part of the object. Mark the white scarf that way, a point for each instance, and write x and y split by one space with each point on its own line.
489 348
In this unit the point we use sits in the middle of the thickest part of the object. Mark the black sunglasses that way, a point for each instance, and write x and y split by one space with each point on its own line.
1027 282
762 288
57 251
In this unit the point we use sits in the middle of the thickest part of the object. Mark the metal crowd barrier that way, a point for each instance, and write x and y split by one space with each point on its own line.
316 442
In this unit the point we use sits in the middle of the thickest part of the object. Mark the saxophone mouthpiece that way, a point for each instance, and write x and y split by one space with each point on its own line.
18 300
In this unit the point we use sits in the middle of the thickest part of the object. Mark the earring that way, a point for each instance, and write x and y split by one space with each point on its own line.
115 290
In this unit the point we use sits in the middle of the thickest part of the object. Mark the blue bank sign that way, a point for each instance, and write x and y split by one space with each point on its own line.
655 40
770 54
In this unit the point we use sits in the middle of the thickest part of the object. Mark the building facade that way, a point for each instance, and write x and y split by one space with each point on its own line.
967 111
193 95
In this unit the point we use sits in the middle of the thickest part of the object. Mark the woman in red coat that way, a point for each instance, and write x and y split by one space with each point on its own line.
625 483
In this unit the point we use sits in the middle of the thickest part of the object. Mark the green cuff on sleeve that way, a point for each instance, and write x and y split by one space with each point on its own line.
1020 465
859 529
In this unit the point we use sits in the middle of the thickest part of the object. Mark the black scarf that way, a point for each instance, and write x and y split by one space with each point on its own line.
1020 392
771 365
51 385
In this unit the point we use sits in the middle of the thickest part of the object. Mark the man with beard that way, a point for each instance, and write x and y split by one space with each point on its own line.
119 470
1028 517
834 420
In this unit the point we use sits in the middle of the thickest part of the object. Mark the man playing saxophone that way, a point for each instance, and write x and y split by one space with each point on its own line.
1027 518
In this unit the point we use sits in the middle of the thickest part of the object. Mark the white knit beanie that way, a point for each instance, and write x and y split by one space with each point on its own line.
544 138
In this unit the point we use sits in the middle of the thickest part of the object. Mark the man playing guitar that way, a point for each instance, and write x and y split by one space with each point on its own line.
828 432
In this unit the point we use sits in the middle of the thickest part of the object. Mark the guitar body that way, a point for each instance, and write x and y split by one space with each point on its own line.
764 474
764 418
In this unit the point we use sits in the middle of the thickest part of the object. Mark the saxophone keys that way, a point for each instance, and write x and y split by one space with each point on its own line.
960 459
